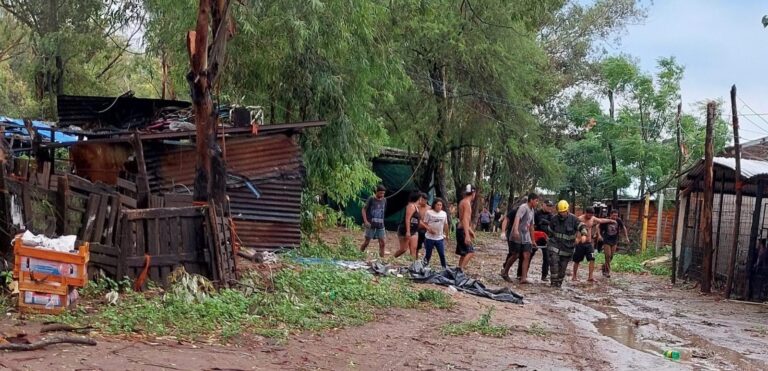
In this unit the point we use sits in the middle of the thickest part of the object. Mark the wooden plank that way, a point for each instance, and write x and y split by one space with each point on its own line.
26 200
45 175
122 243
160 260
101 216
126 185
164 246
127 201
153 236
82 184
177 200
142 180
141 241
62 197
176 240
112 220
191 211
90 217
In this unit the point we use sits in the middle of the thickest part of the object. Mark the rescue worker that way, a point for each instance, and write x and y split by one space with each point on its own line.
564 231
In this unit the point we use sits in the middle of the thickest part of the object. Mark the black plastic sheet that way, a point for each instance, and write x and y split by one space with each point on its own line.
452 277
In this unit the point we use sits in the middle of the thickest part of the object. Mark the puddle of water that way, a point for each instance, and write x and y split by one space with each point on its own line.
626 331
620 328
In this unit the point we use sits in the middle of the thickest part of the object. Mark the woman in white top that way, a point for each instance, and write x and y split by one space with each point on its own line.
437 231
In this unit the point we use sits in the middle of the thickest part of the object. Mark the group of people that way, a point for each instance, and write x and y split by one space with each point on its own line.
562 236
423 226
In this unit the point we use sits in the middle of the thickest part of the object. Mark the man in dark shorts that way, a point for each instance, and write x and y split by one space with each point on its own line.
610 234
485 220
464 231
522 237
585 249
373 220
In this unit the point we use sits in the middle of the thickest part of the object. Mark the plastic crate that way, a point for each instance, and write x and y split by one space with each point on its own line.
44 302
44 262
38 282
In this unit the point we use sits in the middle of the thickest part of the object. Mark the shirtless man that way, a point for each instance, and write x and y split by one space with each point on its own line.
464 231
423 208
587 249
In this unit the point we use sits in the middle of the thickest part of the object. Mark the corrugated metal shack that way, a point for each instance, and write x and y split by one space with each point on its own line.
751 271
126 185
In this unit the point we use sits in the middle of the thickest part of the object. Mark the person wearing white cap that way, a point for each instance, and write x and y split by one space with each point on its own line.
464 232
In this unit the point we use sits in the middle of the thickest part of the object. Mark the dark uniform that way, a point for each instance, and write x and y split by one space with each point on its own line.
560 247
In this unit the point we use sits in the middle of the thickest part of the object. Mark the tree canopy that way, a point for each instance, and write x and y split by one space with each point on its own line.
509 95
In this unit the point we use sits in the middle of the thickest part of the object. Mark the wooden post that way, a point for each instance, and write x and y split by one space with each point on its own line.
676 222
719 225
659 213
706 212
737 184
644 237
753 234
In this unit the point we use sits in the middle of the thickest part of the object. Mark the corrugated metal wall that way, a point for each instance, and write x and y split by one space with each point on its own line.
274 165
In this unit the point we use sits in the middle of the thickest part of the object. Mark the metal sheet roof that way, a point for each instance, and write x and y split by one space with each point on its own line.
749 168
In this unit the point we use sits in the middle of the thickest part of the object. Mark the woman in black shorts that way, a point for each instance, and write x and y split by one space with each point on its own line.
408 229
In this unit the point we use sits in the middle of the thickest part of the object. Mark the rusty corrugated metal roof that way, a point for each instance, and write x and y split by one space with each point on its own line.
272 162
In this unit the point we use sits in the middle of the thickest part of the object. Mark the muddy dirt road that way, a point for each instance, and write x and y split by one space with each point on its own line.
619 324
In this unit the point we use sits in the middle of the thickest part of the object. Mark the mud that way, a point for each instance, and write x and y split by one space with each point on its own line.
624 323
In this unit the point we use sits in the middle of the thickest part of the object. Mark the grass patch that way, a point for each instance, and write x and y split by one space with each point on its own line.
345 250
537 329
308 298
5 304
633 263
481 326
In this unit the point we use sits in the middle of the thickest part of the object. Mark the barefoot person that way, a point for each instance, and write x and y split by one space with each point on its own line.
464 231
437 232
407 231
610 234
586 250
564 231
522 238
423 208
373 220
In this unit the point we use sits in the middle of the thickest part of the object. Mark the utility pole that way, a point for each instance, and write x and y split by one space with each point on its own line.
644 237
677 194
738 184
706 211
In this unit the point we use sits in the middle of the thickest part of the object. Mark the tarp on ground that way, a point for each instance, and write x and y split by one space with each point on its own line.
452 277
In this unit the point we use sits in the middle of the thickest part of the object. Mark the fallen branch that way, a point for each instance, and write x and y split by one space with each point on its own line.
53 327
44 343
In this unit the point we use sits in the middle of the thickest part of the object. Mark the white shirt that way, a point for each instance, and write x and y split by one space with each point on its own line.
436 222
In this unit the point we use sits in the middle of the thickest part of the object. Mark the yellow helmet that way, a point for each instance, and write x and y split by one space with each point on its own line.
562 206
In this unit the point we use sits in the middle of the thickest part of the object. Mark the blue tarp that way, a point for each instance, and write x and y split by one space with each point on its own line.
19 123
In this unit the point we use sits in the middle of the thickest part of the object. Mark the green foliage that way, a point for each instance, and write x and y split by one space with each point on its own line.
311 298
481 326
103 285
346 249
633 263
316 217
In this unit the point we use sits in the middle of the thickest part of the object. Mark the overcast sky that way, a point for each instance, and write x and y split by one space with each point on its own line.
719 42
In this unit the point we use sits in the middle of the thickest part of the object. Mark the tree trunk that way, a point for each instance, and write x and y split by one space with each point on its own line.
210 175
614 171
706 214
435 167
478 182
